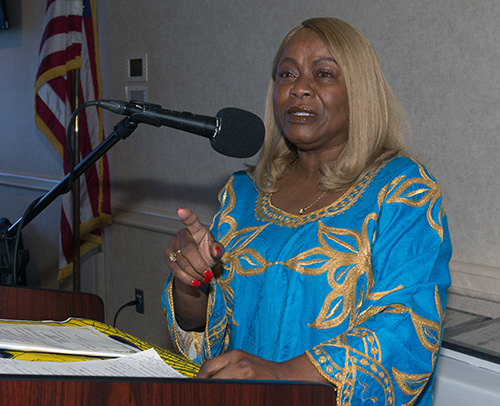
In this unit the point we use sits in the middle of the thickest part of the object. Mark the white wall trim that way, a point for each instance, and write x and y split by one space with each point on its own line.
468 279
29 182
152 219
475 280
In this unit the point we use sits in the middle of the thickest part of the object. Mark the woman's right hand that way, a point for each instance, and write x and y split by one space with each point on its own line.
193 251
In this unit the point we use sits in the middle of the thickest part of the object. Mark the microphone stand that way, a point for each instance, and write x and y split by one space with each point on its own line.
121 131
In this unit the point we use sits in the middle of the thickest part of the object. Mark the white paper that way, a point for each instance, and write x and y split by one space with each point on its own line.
61 339
146 364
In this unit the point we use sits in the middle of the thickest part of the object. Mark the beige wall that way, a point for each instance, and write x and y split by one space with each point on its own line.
441 58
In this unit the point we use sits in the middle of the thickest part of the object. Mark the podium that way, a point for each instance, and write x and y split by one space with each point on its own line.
22 303
103 391
39 304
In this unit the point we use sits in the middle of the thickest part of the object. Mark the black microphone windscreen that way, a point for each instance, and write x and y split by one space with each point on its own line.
241 133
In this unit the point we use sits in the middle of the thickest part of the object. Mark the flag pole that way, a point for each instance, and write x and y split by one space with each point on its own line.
66 45
76 187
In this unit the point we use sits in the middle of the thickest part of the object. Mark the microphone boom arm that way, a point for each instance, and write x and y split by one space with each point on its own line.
121 131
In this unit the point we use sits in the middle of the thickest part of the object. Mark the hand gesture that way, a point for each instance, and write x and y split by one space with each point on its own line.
193 251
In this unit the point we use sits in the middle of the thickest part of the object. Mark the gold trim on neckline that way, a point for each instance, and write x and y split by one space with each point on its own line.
265 210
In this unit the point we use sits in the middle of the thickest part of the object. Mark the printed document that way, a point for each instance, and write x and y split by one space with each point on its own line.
81 340
147 364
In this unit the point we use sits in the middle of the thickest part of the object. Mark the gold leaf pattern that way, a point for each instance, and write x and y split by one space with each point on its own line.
345 256
417 192
362 360
410 384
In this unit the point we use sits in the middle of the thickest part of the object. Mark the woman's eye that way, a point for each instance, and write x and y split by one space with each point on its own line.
285 74
325 74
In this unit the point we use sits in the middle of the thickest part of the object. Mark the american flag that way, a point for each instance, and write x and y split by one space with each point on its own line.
69 48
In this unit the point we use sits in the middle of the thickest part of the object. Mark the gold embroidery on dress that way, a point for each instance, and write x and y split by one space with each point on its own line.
427 192
410 384
345 255
345 266
344 272
267 212
217 331
413 384
367 362
236 251
427 331
187 342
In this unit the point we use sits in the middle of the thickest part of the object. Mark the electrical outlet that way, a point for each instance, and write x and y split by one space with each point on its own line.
139 296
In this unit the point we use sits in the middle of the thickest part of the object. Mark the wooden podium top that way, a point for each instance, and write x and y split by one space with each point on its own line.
39 304
21 303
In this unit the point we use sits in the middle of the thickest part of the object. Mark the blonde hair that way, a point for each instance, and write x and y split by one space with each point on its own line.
377 121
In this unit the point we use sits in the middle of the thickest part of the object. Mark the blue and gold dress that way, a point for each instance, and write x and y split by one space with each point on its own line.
358 286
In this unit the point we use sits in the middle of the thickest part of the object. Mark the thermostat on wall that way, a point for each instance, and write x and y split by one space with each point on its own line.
137 68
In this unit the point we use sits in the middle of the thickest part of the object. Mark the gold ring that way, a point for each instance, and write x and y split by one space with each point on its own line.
173 256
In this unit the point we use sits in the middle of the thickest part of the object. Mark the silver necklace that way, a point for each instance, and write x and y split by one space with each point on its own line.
304 209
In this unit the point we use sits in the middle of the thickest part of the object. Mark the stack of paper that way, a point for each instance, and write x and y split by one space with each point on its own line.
126 360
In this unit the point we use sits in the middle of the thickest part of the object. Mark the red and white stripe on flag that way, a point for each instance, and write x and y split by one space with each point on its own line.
69 47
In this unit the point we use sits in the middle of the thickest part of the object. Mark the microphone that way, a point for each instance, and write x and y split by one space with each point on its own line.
233 132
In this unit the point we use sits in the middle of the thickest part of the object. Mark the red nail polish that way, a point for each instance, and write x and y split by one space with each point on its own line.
207 281
208 274
196 283
218 252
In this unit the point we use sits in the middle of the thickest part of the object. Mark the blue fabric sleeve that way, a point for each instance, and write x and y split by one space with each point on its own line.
389 352
200 346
